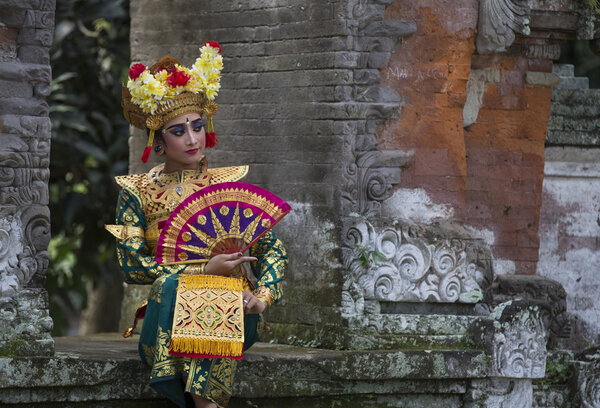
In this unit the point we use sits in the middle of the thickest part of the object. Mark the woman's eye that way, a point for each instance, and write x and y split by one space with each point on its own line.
177 132
198 127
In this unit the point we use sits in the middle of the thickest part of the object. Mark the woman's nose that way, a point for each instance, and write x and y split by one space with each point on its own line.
190 137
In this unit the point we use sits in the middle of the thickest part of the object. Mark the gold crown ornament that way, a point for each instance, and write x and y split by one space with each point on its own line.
154 96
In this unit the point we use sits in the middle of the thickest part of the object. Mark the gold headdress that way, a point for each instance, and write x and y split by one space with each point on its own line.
153 96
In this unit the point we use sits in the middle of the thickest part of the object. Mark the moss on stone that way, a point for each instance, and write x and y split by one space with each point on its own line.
556 373
13 348
339 338
301 335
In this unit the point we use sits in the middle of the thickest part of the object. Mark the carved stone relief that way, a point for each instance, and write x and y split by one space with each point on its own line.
24 233
24 174
499 20
518 344
588 378
369 173
499 393
417 266
548 295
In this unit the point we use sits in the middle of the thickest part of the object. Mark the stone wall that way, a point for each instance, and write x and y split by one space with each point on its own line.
379 119
301 103
26 32
570 223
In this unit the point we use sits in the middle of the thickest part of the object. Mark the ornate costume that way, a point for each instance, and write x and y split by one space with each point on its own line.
146 202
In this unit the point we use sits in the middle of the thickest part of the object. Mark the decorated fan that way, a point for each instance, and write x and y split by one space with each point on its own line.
220 219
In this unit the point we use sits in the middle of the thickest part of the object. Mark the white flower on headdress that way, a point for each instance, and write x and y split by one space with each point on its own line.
148 91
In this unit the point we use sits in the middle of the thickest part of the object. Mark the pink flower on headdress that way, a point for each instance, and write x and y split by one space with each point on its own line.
178 78
214 44
136 70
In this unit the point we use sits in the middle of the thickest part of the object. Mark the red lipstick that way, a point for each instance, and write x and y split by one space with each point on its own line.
192 151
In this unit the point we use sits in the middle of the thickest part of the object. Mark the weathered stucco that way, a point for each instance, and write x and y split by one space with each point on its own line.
570 231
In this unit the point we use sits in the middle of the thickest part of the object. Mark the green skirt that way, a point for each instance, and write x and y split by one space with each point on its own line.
212 378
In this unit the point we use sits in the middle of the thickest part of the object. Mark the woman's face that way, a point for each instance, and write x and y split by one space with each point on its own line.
184 141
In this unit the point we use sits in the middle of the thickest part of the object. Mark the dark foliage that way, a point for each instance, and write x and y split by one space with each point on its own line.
89 58
586 62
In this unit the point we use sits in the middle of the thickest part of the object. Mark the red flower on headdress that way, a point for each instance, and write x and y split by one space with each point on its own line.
136 70
211 139
178 78
214 44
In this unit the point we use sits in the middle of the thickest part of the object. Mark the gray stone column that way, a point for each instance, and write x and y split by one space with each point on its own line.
26 31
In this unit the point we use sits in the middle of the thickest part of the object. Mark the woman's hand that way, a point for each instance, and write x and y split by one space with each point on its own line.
251 303
225 264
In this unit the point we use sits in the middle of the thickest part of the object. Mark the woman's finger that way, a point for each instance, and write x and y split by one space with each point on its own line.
236 262
246 295
234 256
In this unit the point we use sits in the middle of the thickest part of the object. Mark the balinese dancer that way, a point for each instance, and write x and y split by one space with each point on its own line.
175 105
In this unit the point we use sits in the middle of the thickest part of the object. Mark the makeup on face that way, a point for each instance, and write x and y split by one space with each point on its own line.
184 142
179 129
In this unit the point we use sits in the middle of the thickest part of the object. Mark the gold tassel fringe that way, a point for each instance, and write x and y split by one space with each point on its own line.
207 347
193 282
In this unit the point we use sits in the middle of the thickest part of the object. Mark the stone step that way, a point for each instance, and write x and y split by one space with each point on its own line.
573 83
105 371
587 124
574 97
573 138
564 70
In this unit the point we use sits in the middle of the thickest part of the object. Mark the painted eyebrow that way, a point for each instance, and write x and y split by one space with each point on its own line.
194 122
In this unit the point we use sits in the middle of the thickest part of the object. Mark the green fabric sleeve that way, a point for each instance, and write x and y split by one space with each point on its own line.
135 256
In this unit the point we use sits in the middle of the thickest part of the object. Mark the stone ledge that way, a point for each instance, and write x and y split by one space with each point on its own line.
105 369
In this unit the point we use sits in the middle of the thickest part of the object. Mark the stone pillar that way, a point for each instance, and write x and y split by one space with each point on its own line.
26 32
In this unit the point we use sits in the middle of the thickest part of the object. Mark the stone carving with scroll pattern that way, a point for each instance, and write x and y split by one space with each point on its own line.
370 178
24 234
416 268
588 378
539 291
499 20
518 344
370 173
24 161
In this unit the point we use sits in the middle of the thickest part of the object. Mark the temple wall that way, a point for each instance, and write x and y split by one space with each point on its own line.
475 115
300 102
570 223
26 32
392 226
431 72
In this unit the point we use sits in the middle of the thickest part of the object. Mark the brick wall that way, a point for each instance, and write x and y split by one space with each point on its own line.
431 74
483 166
505 161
